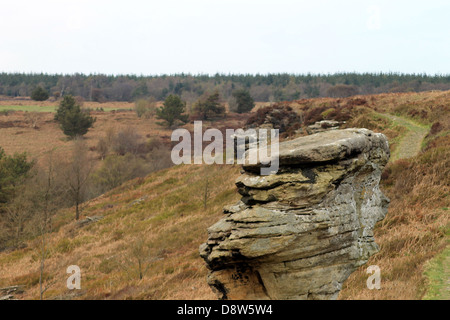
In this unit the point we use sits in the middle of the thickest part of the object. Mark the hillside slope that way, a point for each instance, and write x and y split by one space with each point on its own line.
161 220
417 181
164 213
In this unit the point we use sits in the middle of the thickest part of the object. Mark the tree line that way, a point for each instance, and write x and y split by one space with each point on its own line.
262 87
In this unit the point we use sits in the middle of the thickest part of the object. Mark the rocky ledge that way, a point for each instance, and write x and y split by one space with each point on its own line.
300 233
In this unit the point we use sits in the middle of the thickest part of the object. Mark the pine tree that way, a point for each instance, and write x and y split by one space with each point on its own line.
209 107
172 110
245 102
73 121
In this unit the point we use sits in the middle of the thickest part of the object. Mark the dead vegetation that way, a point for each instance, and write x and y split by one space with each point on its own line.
166 209
171 224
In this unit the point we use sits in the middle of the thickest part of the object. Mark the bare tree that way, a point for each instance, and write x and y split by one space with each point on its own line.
64 83
138 260
77 174
17 214
105 143
127 140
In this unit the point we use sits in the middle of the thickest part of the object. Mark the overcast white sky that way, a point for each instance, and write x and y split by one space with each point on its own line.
236 36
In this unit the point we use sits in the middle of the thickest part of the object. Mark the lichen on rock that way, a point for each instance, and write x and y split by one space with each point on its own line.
300 233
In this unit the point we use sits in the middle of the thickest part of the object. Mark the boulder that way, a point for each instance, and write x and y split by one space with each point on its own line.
324 125
300 233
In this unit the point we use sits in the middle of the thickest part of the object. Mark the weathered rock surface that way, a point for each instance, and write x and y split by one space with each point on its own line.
300 233
7 293
324 125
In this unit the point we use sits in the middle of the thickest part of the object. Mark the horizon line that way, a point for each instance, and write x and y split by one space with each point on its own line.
199 74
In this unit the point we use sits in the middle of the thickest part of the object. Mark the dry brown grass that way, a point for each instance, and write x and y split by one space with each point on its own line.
55 103
414 231
17 135
171 217
21 137
416 227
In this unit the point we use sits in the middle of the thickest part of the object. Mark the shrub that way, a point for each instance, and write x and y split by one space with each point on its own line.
115 170
39 94
314 114
32 118
280 117
326 112
145 108
12 170
127 141
416 113
436 128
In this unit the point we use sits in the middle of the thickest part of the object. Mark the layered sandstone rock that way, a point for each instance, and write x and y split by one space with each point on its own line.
300 233
324 125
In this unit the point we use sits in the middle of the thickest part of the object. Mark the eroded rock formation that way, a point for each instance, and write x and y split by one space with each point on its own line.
300 233
324 125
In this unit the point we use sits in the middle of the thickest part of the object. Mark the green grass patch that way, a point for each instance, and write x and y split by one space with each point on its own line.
36 108
437 273
28 108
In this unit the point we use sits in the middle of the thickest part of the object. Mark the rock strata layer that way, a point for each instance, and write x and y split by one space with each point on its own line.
300 233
